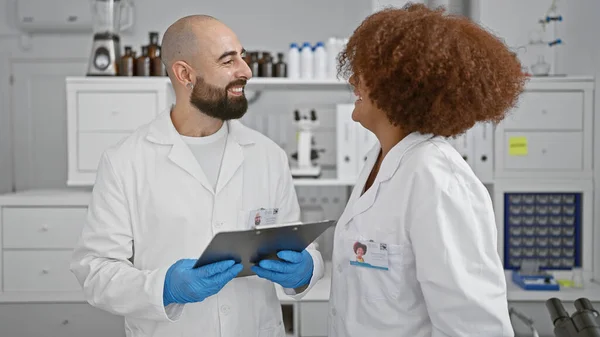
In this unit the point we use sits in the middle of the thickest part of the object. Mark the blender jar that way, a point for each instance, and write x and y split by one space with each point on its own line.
106 15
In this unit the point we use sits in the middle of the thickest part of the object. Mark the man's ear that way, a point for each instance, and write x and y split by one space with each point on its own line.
183 73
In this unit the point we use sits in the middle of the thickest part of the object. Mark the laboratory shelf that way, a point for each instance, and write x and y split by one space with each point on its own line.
590 290
275 83
322 182
254 84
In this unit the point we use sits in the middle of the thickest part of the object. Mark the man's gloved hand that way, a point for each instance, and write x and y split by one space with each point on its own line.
183 284
294 271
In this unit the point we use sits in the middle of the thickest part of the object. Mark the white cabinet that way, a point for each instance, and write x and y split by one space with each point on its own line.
550 133
102 111
549 110
39 296
41 227
552 152
314 318
38 231
64 320
544 177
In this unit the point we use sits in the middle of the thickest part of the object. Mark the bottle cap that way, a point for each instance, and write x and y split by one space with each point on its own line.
293 45
319 44
306 44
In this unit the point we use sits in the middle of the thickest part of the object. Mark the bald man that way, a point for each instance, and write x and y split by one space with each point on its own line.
164 191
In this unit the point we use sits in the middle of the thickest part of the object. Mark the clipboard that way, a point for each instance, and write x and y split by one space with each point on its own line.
252 245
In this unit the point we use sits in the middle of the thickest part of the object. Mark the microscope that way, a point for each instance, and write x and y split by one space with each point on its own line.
306 153
585 322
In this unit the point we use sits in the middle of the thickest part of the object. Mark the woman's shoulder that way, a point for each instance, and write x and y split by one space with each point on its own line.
436 161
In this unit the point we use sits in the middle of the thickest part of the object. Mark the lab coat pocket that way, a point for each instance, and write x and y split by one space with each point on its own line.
381 284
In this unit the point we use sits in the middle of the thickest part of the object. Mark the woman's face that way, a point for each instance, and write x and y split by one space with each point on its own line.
360 252
365 112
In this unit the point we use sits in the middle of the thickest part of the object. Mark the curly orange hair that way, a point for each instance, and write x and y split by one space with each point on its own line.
431 72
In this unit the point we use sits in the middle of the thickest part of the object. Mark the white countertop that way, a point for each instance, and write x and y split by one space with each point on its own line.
320 293
590 290
42 197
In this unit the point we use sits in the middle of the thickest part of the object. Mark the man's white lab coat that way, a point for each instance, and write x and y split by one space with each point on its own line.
152 205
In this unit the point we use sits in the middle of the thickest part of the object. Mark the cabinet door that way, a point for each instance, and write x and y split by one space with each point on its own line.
314 319
6 151
54 320
38 98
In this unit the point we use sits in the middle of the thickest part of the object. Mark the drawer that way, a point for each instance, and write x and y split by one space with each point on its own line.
546 151
314 318
547 111
90 147
33 227
115 111
58 320
30 270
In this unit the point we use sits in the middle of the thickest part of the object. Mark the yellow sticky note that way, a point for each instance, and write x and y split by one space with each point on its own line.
517 146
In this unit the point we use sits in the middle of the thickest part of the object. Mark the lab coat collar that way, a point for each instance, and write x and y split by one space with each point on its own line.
389 166
392 160
162 131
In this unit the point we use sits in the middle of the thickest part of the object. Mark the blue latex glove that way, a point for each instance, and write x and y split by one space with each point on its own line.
183 284
294 271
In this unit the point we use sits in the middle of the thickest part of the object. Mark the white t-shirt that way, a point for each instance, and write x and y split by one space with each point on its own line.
209 151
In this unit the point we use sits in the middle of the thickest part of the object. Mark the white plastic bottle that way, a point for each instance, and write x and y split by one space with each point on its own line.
293 70
320 61
332 53
306 61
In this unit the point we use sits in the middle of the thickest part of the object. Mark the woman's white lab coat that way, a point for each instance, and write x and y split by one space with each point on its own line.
444 277
153 205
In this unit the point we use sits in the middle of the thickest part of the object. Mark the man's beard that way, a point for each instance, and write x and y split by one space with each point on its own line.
215 102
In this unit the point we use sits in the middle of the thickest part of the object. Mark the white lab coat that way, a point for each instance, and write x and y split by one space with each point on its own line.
152 205
445 276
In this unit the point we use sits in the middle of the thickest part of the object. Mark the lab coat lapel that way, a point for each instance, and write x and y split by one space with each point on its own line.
162 131
232 160
233 157
357 203
365 201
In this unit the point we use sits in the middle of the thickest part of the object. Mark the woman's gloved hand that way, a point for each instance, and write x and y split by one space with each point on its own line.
183 284
294 271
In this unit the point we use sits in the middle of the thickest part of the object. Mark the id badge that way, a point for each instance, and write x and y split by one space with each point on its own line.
263 217
369 254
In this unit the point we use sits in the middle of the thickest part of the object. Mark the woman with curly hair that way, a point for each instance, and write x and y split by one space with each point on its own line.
422 76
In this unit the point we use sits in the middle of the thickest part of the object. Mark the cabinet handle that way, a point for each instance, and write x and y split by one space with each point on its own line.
44 228
65 322
484 158
45 271
114 113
